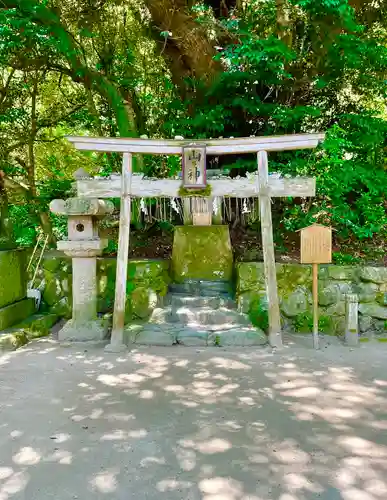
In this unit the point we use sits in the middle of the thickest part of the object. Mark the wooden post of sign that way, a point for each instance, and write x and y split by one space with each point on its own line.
316 248
117 338
315 306
275 337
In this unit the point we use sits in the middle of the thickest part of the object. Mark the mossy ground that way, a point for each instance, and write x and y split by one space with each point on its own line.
34 327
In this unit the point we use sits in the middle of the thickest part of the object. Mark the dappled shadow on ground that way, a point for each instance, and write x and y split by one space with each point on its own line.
182 423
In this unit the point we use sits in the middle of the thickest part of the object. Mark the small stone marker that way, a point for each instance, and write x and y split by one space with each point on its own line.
316 248
351 320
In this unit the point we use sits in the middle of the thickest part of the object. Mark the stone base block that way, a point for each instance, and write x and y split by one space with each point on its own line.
16 312
192 337
238 337
93 330
150 334
116 348
202 253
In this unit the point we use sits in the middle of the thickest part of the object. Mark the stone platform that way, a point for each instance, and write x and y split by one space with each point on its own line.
197 313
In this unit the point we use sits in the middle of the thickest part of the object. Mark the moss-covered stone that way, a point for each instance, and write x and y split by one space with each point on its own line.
155 272
337 309
250 276
373 310
146 281
365 323
12 341
380 326
16 312
329 295
366 292
295 284
53 291
381 298
296 303
13 283
339 273
142 302
202 252
39 322
52 264
36 326
290 276
373 274
63 308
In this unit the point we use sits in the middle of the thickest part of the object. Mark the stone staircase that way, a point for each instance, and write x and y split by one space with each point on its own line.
197 313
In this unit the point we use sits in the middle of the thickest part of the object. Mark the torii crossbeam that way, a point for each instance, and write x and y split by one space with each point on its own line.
263 186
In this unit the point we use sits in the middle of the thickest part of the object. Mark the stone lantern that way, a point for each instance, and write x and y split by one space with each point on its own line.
83 245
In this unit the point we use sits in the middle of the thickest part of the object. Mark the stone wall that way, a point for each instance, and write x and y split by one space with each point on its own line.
14 305
13 281
295 285
147 283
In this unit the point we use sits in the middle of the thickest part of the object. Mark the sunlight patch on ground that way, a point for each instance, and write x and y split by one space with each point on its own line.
105 482
27 456
14 484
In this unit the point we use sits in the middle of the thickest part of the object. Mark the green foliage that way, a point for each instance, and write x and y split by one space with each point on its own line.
343 259
112 247
217 341
320 65
258 314
329 79
303 323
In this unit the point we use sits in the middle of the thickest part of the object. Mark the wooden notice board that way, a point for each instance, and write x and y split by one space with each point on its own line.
316 245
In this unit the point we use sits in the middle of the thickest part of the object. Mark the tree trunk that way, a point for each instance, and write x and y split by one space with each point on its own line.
42 214
6 232
188 50
31 140
283 23
46 225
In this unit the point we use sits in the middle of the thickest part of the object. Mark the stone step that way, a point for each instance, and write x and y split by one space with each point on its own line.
177 300
161 315
207 316
191 335
202 288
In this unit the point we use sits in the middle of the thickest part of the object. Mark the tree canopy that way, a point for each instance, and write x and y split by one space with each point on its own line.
219 68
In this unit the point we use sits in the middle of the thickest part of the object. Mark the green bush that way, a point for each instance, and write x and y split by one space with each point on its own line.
258 314
303 323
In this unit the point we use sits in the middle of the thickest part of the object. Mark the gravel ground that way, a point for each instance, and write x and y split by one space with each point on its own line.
186 423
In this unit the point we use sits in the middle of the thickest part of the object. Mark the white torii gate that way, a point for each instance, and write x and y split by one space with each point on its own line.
262 186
